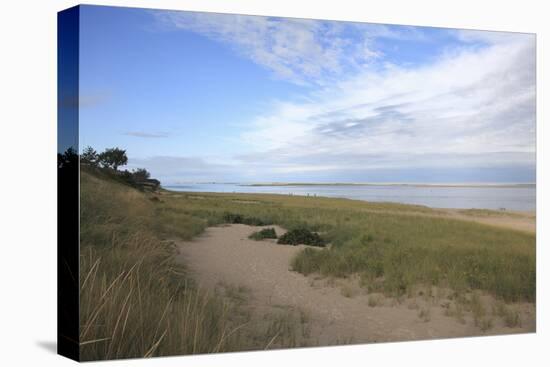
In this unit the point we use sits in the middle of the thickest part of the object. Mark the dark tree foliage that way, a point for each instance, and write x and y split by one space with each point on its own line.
113 158
301 236
140 174
89 156
107 163
241 219
68 159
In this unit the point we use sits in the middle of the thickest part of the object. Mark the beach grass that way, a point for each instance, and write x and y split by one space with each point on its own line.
137 302
263 234
397 245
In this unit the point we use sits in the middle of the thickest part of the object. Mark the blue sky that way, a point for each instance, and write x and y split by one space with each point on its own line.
212 97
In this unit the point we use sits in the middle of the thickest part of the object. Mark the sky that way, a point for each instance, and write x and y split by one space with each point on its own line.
205 97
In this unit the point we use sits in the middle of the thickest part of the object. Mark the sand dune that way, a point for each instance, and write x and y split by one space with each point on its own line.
338 310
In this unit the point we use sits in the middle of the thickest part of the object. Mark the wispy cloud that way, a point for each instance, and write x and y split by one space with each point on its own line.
299 50
472 107
144 134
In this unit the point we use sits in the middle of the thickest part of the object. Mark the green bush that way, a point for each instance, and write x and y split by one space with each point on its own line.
301 236
263 234
234 218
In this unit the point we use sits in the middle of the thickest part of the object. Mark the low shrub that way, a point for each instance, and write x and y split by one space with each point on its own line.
263 234
374 301
425 314
253 221
509 315
301 236
234 218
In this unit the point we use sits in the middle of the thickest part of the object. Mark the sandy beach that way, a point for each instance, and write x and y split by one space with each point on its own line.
337 310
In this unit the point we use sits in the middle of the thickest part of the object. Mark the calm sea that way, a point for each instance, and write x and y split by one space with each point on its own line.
491 197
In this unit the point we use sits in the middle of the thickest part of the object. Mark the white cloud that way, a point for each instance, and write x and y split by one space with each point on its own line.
472 107
300 50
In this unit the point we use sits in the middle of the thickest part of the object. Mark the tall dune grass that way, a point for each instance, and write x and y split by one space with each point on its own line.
139 306
134 300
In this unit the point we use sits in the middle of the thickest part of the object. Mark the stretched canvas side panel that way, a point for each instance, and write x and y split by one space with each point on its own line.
68 184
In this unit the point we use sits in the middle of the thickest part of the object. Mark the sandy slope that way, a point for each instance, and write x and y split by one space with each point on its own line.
337 310
518 220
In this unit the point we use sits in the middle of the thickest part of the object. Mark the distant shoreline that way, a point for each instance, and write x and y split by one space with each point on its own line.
464 196
477 185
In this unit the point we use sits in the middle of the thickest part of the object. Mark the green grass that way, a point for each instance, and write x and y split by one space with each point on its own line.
457 254
235 218
263 234
396 245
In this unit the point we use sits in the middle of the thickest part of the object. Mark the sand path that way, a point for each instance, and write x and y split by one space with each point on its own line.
226 255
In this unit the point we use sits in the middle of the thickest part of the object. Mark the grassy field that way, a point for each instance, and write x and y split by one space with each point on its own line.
135 301
393 247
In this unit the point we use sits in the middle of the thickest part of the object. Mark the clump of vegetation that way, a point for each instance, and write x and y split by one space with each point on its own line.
288 326
235 218
509 315
477 308
107 164
512 318
301 236
374 300
486 324
263 234
348 291
425 314
456 311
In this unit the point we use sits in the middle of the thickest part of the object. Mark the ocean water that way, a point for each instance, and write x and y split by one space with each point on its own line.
521 197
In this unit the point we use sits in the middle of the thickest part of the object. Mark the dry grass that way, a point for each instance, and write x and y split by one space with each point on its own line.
131 307
374 300
477 308
509 314
348 291
425 314
135 301
456 310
